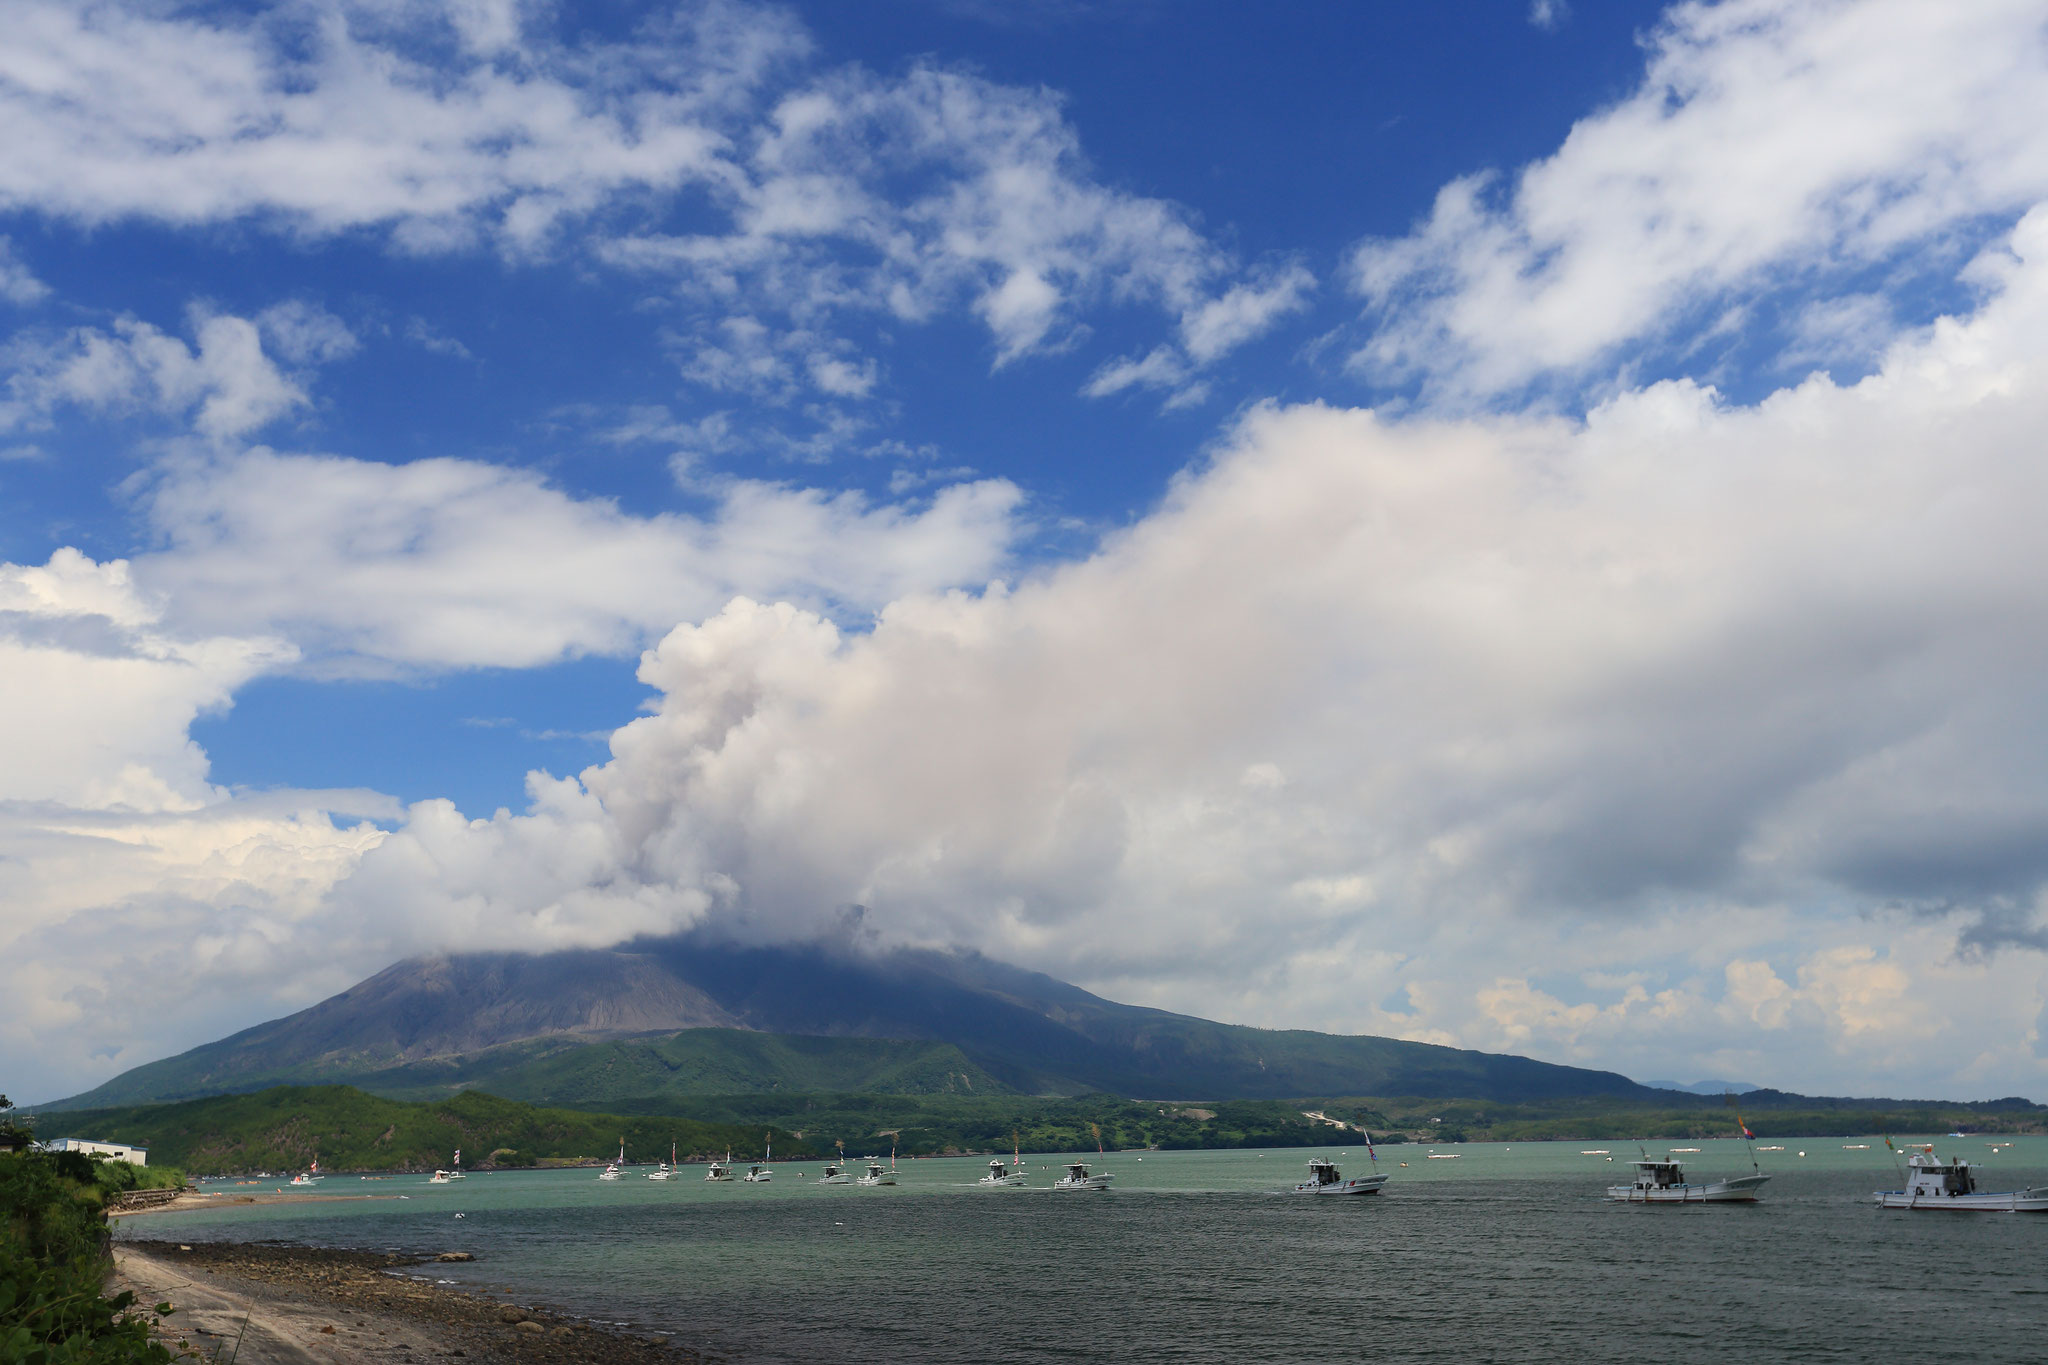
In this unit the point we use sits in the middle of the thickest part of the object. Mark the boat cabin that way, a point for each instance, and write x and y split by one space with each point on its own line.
831 1169
1323 1173
997 1170
1077 1170
1935 1179
875 1168
1655 1174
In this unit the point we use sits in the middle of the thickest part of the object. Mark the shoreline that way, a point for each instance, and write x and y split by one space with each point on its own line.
279 1304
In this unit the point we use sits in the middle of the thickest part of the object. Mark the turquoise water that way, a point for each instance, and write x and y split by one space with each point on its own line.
1505 1253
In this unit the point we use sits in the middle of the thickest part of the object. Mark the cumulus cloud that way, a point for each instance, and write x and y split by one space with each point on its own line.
126 875
222 382
455 563
1767 147
1648 722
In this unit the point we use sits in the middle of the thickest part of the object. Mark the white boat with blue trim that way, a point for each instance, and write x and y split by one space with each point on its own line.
1325 1178
1661 1180
1951 1187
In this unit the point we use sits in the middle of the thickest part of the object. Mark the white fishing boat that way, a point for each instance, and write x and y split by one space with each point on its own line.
998 1174
617 1168
720 1170
1662 1181
878 1174
666 1170
1077 1178
758 1173
833 1175
309 1175
1325 1178
1951 1186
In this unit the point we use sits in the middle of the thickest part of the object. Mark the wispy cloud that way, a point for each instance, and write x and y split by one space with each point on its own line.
1767 146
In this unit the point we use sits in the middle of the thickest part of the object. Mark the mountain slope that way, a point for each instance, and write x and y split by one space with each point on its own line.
1017 1029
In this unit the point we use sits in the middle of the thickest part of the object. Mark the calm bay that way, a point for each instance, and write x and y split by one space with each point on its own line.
1501 1253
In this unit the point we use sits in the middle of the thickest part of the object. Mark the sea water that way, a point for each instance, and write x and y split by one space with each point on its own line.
1505 1253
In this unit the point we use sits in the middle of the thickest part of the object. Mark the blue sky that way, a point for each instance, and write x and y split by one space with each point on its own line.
1531 494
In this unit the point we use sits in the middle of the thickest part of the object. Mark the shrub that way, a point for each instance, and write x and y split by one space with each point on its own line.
53 1265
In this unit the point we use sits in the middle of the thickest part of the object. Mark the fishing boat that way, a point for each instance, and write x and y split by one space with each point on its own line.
617 1168
720 1170
1077 1178
1662 1181
1951 1186
878 1174
758 1173
998 1174
1325 1178
833 1175
667 1169
309 1175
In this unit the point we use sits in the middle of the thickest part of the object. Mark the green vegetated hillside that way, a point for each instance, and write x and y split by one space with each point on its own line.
283 1128
286 1127
708 1061
939 1123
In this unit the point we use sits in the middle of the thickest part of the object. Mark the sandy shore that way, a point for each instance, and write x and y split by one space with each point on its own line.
214 1199
281 1305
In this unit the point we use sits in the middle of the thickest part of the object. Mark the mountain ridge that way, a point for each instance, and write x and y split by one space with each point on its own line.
1021 1030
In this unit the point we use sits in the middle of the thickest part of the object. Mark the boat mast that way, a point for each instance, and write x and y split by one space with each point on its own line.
1743 1128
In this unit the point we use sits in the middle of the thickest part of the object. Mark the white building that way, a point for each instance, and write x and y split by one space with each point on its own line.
118 1151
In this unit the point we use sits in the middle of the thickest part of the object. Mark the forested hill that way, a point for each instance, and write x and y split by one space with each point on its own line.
285 1128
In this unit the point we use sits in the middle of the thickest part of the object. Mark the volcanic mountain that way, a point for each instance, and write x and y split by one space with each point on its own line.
690 1015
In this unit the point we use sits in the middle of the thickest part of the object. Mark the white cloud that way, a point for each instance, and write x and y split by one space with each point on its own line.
1768 146
135 892
1549 15
1689 736
18 284
96 697
453 563
319 118
832 195
304 333
1248 310
222 382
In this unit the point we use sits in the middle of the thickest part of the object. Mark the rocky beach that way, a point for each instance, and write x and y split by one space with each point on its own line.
296 1305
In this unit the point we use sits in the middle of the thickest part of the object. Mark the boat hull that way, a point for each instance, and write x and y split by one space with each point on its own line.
1008 1182
1364 1184
1091 1182
2008 1201
1740 1190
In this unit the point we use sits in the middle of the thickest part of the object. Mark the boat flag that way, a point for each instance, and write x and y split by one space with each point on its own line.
1368 1146
1888 1142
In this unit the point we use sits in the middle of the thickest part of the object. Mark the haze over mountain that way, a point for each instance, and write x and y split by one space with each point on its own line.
689 1014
